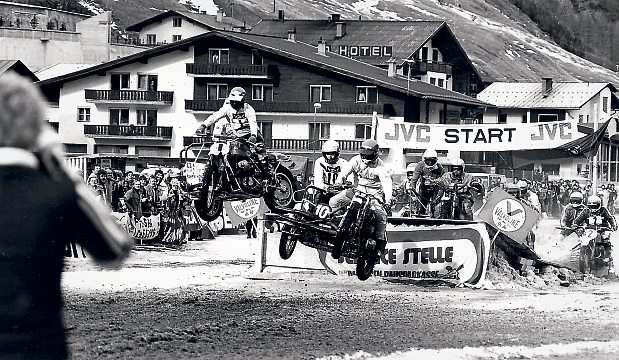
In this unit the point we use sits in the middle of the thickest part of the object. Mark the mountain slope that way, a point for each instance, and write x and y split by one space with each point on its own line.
502 42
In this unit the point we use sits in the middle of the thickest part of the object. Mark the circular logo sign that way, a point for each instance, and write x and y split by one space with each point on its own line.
508 215
246 209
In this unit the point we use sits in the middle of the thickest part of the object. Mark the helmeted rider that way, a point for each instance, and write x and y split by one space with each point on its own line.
462 182
594 208
425 175
528 196
239 119
571 212
371 177
328 167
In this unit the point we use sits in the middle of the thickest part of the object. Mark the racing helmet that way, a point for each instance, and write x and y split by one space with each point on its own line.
576 198
513 190
430 158
523 187
594 203
458 167
237 98
369 150
331 151
410 169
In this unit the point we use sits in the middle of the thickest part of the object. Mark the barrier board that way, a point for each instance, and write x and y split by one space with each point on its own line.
453 252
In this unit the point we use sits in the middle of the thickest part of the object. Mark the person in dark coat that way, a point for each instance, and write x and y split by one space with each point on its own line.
43 205
135 199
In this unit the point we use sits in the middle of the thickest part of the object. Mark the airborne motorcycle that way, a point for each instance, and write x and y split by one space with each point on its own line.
259 174
596 248
312 223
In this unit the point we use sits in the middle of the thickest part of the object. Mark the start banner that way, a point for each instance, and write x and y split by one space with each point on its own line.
487 137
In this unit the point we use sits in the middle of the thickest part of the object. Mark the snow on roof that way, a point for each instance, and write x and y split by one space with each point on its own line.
60 69
531 95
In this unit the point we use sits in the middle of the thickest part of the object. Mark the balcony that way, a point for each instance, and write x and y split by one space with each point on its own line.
291 107
130 97
128 132
228 70
424 67
286 145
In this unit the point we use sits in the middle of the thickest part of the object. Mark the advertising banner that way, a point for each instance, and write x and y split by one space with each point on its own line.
145 228
241 211
487 137
455 253
508 215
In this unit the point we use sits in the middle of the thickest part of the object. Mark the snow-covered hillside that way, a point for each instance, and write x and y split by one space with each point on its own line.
502 42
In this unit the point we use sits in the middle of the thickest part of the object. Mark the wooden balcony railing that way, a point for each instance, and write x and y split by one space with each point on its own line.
291 106
297 145
166 97
424 67
164 132
227 69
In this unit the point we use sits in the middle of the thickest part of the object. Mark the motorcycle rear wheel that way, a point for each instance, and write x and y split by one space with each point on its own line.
281 196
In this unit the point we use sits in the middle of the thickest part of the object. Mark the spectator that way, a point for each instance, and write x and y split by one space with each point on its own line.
134 199
94 185
152 199
612 197
42 206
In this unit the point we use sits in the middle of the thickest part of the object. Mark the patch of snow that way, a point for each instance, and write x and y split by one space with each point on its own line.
368 7
155 9
203 5
91 6
422 11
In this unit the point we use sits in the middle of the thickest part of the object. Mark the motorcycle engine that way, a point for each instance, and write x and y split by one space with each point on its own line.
244 168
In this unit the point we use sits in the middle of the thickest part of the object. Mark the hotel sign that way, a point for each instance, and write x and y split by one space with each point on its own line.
362 50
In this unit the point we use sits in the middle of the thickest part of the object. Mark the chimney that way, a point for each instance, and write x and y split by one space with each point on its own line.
340 29
335 17
392 67
291 34
280 15
322 47
547 85
220 16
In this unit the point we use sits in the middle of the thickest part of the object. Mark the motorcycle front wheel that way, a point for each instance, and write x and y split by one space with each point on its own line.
366 263
281 195
584 260
287 243
207 205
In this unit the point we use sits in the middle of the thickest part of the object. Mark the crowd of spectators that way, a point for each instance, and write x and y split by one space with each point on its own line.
555 195
142 195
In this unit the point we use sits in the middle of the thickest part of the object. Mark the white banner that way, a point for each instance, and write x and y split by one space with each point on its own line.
480 137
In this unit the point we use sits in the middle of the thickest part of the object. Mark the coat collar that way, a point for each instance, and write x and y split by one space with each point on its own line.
10 156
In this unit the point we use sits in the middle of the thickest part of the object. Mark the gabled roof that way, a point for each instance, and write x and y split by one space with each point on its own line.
209 21
18 67
298 52
406 37
60 69
531 95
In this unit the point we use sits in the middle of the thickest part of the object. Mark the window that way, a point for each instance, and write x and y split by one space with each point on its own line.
216 91
119 116
367 94
256 59
424 53
120 81
151 39
154 151
111 149
581 118
146 117
502 118
441 82
319 131
219 56
176 38
547 117
605 104
266 129
433 81
434 55
83 114
363 131
262 92
319 93
147 82
75 148
587 118
524 118
177 22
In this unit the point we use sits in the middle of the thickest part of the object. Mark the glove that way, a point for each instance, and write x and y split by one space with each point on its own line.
252 139
201 130
579 231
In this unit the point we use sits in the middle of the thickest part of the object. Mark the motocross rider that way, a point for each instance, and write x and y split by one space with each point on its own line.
528 196
240 121
462 181
571 212
426 173
594 208
371 177
328 167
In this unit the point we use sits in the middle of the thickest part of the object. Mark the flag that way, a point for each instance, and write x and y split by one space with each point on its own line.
586 145
509 215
